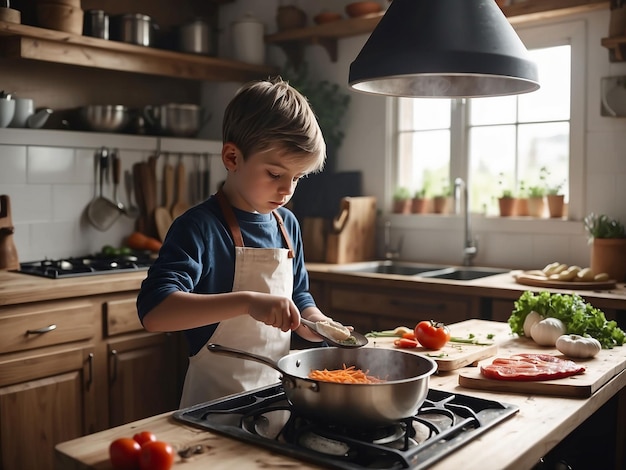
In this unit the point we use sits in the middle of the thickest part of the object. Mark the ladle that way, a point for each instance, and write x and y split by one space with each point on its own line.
356 340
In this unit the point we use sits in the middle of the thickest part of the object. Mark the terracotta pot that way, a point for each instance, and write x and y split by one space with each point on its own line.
521 207
420 206
441 204
537 206
608 255
508 206
556 204
402 206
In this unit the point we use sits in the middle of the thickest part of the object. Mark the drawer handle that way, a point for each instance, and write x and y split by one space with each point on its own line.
419 305
90 364
42 331
114 360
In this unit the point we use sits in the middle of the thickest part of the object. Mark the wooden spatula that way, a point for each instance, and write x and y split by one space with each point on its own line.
181 204
162 215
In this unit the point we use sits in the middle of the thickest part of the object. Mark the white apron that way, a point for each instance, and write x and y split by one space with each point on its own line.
268 270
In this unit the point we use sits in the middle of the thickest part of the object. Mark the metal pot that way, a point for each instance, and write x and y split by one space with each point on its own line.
405 388
195 37
103 118
180 120
134 28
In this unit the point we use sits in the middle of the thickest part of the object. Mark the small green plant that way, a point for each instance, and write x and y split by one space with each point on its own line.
522 192
401 194
445 189
504 192
536 191
603 226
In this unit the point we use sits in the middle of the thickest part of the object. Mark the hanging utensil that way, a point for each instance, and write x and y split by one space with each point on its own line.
117 171
162 215
181 205
102 212
132 211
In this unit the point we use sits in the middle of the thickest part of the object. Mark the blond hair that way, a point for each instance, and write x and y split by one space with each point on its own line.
271 113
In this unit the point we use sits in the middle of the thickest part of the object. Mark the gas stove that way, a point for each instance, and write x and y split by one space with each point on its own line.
87 265
445 422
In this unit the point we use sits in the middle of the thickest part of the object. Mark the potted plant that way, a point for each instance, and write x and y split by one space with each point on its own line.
521 207
506 202
402 201
556 200
441 201
607 237
537 195
421 202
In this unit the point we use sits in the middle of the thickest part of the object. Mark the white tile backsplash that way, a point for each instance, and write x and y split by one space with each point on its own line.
50 179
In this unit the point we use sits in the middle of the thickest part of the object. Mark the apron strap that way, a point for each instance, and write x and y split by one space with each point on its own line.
233 225
283 230
231 220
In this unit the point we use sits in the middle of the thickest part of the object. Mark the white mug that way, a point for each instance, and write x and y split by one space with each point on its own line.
24 108
7 110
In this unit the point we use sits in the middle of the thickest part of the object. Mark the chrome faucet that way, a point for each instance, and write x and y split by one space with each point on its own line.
470 247
390 253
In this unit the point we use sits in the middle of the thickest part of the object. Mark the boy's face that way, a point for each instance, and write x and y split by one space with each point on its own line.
264 181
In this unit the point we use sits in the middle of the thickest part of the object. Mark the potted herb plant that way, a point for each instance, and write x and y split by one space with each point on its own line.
421 202
402 201
441 201
607 237
521 208
537 195
507 202
556 200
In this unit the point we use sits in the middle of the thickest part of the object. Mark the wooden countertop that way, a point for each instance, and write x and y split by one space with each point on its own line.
517 443
18 288
501 286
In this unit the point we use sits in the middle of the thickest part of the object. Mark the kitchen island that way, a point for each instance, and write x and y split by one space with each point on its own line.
516 443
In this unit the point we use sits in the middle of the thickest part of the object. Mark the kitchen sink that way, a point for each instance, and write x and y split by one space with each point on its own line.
456 273
389 267
464 274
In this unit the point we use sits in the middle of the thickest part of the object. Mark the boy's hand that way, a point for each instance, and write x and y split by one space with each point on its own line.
276 311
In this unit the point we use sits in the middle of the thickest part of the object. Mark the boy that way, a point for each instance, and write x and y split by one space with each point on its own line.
231 270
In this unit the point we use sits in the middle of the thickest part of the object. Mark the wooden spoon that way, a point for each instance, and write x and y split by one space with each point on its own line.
181 205
162 216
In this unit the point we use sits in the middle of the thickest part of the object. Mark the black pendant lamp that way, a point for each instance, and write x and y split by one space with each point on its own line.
444 49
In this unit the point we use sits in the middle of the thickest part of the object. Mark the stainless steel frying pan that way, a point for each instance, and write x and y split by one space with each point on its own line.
405 388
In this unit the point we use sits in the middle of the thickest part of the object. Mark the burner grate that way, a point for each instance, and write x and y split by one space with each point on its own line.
264 417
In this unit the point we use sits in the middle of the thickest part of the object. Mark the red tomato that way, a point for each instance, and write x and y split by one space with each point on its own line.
156 455
124 454
143 437
432 334
405 343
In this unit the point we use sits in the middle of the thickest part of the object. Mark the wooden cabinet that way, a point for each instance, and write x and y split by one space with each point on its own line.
142 377
74 367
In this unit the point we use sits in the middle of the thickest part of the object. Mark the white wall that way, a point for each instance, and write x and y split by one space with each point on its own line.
48 199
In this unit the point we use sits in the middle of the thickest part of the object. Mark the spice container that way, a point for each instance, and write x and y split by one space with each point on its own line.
248 41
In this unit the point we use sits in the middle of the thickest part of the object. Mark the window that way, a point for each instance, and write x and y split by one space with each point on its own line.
504 142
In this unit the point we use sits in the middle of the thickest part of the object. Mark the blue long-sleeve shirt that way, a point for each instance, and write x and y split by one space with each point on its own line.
198 255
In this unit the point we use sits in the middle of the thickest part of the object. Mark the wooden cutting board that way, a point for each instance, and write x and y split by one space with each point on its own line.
456 355
352 236
598 371
536 281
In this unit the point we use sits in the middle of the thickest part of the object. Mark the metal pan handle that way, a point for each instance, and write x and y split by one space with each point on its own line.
219 349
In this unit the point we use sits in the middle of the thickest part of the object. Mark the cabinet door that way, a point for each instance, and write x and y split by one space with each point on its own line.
143 377
45 399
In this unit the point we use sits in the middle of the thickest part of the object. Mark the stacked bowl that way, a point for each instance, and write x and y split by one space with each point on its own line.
61 15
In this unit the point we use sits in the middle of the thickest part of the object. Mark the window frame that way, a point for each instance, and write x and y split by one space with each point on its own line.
573 33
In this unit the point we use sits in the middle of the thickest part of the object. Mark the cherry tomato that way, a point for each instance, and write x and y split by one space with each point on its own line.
432 334
124 453
143 437
156 455
405 343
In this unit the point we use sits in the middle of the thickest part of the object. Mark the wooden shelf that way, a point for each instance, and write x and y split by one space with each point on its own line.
617 48
327 35
19 41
